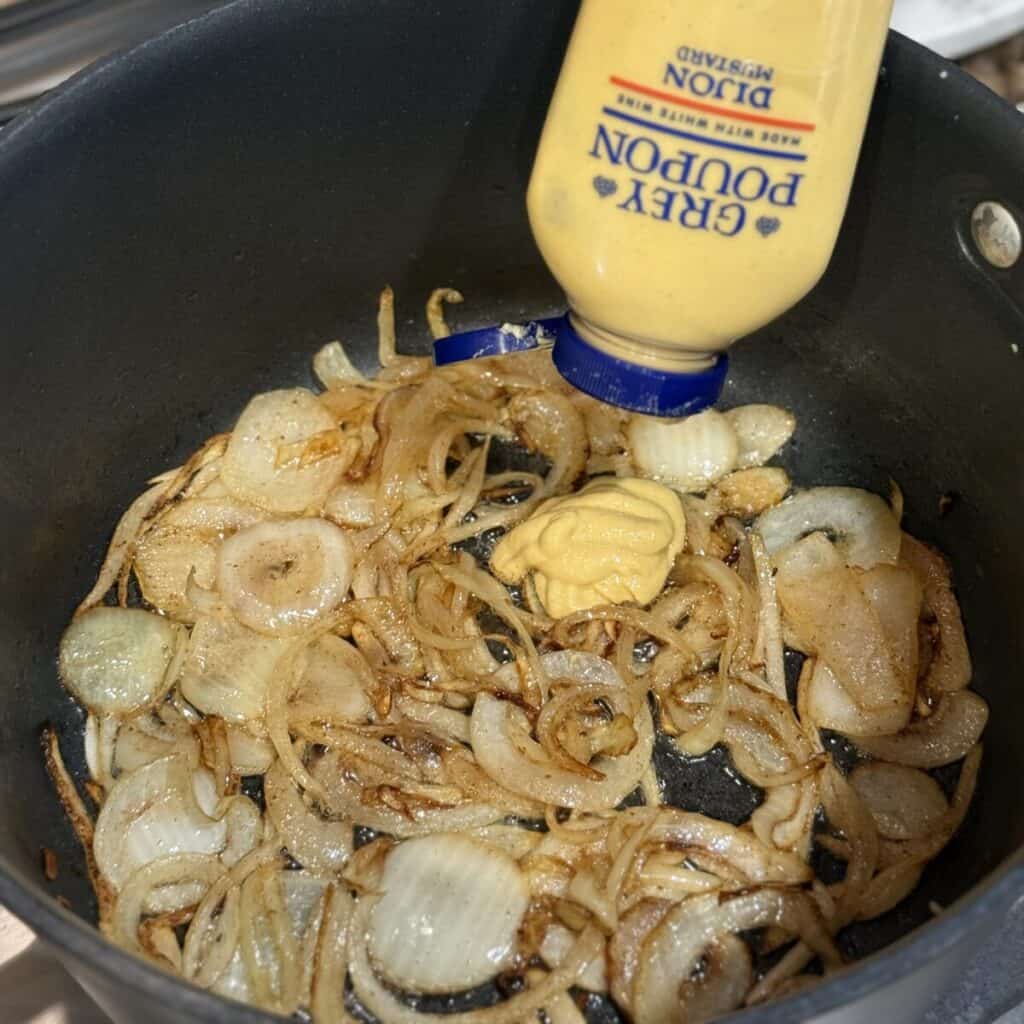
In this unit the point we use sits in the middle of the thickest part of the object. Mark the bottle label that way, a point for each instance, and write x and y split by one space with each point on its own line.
707 146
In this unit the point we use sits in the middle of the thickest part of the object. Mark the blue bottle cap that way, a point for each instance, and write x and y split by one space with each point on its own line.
496 341
631 386
615 381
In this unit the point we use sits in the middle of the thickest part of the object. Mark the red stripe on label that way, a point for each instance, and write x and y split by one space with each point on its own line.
710 108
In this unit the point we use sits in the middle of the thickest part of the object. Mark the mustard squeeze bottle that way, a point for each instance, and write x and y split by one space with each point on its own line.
691 179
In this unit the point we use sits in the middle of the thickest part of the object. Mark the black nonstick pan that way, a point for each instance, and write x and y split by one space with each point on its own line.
183 225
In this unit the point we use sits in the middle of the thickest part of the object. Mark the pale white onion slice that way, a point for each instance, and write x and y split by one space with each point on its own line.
188 875
100 739
389 1009
333 367
689 454
320 845
906 803
625 946
250 755
757 861
115 661
517 842
182 544
449 914
580 666
285 453
148 737
442 721
233 982
894 594
827 704
500 756
556 946
824 603
245 829
280 578
945 736
860 524
228 668
761 430
150 814
336 683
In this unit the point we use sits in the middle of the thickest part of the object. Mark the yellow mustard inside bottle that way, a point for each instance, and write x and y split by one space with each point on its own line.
691 179
615 540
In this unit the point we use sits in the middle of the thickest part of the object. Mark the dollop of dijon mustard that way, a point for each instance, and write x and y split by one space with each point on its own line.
613 541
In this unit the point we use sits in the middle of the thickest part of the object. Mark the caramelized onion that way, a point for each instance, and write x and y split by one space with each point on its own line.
863 526
905 802
945 736
314 628
285 453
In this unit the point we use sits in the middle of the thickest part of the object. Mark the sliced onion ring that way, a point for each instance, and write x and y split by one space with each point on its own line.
861 524
690 454
905 802
176 870
499 756
945 736
321 846
116 661
448 915
761 430
281 578
390 1010
674 949
273 424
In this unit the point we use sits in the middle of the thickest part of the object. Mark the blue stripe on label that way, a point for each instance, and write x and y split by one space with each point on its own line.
739 147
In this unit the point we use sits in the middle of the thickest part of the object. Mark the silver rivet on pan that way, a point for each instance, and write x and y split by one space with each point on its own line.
996 234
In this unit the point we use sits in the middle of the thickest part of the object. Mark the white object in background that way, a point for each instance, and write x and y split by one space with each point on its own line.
34 988
955 28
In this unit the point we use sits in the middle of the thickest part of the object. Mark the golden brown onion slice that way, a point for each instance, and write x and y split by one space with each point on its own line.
150 814
320 845
823 601
506 752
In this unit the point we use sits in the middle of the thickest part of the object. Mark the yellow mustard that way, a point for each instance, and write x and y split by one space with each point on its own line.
695 165
613 541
